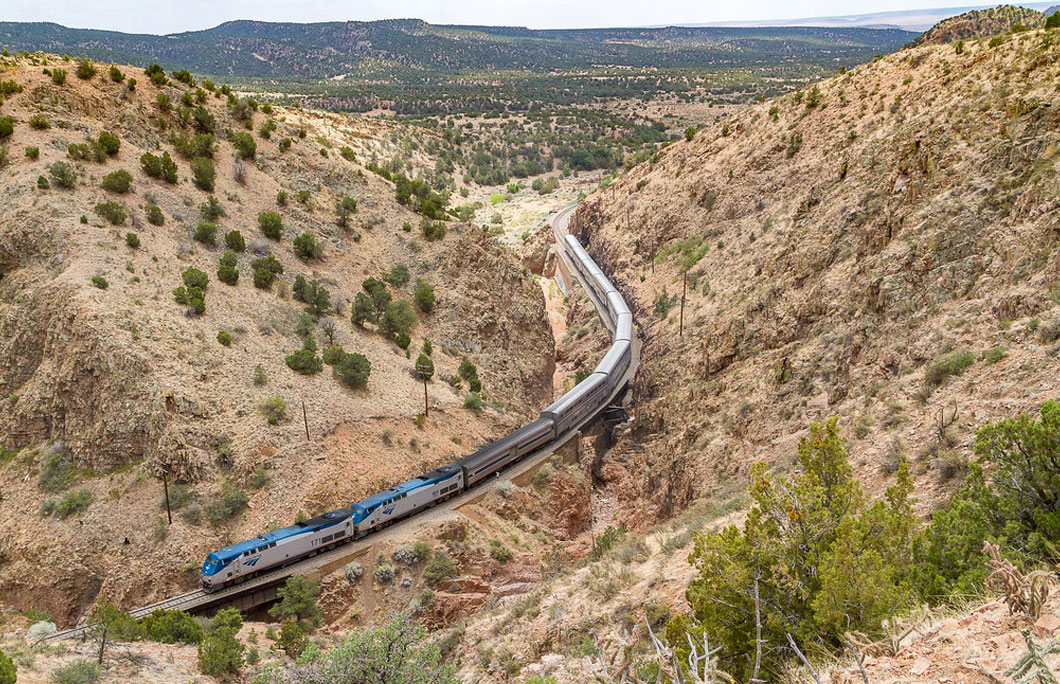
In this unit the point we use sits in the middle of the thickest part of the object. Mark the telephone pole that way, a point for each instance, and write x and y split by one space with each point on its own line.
684 288
165 488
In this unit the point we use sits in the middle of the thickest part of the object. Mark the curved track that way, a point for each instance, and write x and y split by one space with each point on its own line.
327 561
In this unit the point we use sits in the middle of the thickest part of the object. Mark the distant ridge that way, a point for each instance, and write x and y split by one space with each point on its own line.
908 20
402 47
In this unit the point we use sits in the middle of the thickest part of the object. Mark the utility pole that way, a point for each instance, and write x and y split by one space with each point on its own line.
425 369
305 421
684 288
165 488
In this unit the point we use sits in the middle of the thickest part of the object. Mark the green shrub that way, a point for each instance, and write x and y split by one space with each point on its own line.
353 370
193 277
39 122
307 247
398 318
204 120
154 215
297 600
7 126
260 377
58 76
292 639
996 354
343 208
85 68
304 361
398 275
332 354
57 472
116 75
132 240
100 282
271 224
184 76
211 209
432 230
228 503
199 145
821 556
473 402
43 184
206 233
71 503
202 171
244 144
269 263
267 128
362 309
221 653
63 175
156 74
263 278
109 143
7 670
234 241
943 369
171 627
32 152
77 672
227 272
274 408
499 552
90 151
112 211
117 181
424 295
1009 498
162 168
438 569
192 297
281 199
225 338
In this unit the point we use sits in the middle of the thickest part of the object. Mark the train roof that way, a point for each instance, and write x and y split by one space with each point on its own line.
505 443
324 520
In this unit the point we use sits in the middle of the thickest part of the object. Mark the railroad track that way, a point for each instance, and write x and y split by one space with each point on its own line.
308 566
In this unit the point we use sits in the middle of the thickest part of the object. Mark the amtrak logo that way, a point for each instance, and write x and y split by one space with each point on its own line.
251 562
389 510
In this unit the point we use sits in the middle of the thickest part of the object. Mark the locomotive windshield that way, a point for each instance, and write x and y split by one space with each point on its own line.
210 566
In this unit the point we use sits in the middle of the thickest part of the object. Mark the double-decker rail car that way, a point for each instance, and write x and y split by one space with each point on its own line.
275 549
496 455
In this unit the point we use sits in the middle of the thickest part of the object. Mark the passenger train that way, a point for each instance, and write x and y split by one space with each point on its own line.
271 550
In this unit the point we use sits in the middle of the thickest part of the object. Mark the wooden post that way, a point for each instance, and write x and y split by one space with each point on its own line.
684 288
305 421
426 406
165 488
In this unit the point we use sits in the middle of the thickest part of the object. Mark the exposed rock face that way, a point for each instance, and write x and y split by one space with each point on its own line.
983 23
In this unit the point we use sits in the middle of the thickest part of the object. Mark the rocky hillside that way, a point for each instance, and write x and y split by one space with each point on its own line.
107 379
982 23
880 247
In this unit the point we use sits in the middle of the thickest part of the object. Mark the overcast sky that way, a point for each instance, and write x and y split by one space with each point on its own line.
153 16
